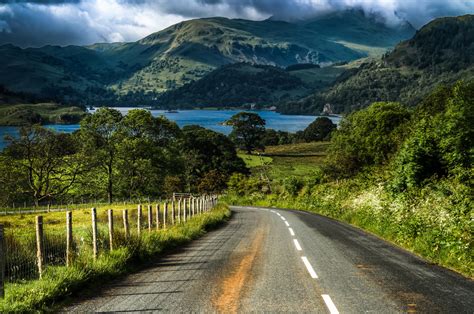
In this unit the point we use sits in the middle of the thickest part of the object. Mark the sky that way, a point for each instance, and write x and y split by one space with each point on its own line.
34 23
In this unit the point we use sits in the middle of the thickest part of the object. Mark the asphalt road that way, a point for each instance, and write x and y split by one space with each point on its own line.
268 260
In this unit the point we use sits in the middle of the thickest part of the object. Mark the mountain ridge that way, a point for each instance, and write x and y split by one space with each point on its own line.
137 72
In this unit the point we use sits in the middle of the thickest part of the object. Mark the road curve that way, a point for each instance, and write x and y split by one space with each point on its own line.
279 260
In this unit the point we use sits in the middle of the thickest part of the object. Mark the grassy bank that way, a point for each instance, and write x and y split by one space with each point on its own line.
434 221
59 281
45 113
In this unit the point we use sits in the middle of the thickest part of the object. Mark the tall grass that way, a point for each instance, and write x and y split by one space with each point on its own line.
60 281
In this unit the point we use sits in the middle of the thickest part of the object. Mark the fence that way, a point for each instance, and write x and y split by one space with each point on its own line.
25 253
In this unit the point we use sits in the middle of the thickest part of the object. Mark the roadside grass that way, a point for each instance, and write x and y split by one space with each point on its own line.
432 223
59 282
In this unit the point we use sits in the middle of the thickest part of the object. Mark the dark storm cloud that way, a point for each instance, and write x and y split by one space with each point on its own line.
35 22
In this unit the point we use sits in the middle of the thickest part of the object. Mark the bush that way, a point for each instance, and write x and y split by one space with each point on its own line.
292 185
368 137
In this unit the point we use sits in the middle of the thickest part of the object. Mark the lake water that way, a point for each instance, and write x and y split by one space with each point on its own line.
210 119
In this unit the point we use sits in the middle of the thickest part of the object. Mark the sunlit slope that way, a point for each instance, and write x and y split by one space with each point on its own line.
442 52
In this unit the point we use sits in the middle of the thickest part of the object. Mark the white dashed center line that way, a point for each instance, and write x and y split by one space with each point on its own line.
287 224
291 231
310 269
332 308
282 218
297 244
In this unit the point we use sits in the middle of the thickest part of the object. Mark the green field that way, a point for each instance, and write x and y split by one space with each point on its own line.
44 113
280 162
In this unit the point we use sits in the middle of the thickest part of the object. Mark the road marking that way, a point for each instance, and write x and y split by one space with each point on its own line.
287 224
278 214
297 244
282 218
273 211
332 308
291 231
309 267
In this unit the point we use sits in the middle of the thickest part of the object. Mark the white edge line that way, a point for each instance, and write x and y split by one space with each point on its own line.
310 269
297 244
332 308
287 224
291 231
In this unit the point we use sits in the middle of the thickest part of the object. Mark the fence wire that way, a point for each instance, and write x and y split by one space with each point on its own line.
21 254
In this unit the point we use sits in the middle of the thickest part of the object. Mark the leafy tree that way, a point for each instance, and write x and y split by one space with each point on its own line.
442 141
205 151
145 153
100 136
248 130
48 160
368 137
319 130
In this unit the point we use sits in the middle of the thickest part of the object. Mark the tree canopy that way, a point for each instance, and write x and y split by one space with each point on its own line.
248 131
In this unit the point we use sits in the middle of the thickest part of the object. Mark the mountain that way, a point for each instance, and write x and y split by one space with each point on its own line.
441 52
138 72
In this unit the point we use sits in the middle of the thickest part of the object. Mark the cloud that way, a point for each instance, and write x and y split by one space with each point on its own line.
62 22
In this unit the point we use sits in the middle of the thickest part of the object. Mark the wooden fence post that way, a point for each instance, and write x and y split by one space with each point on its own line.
139 219
157 216
2 262
95 250
179 211
125 223
192 206
172 213
185 209
165 212
150 217
39 244
68 239
110 216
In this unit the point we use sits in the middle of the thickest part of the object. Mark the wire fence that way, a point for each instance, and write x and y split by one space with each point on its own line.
51 241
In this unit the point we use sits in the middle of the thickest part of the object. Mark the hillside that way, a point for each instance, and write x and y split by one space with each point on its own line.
20 109
442 52
137 72
241 84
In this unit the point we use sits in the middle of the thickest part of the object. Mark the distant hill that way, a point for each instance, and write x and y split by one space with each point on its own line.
242 84
21 109
138 72
442 52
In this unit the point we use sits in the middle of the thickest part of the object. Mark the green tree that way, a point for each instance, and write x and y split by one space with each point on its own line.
248 130
205 151
319 130
368 137
47 159
146 153
100 136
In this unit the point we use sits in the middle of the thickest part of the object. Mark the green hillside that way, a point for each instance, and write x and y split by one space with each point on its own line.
442 52
136 73
242 84
22 109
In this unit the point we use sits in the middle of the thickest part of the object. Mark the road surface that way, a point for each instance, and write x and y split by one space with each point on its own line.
279 261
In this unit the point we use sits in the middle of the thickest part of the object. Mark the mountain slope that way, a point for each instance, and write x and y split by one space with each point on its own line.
185 52
442 52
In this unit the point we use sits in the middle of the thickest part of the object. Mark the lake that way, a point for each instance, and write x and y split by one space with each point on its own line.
210 119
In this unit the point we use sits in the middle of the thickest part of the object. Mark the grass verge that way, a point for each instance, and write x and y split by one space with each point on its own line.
59 281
